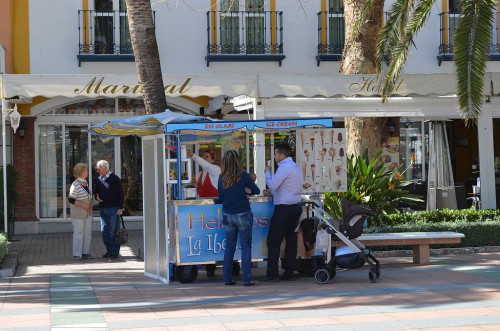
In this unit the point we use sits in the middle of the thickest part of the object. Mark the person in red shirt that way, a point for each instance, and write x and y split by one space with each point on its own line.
206 182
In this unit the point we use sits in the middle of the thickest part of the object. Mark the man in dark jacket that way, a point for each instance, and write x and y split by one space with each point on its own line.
109 193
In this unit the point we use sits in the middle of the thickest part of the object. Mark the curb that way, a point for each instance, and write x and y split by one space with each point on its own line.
9 265
439 251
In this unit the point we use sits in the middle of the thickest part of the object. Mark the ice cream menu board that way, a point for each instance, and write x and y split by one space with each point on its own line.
322 156
390 152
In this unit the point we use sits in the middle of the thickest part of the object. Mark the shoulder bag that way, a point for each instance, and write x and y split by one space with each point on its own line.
121 235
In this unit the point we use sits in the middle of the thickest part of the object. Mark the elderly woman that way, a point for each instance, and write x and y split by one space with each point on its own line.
80 200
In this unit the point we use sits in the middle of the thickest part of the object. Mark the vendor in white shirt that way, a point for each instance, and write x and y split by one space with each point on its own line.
206 182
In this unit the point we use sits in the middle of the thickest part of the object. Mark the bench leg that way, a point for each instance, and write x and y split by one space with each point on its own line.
421 254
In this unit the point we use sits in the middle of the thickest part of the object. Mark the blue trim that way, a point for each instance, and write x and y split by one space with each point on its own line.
105 58
218 126
243 58
327 57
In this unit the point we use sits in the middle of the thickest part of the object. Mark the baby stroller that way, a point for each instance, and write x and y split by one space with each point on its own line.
353 255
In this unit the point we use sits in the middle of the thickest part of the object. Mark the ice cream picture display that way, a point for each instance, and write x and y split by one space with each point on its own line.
322 156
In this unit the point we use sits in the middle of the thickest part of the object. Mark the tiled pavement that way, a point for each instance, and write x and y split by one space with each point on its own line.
52 292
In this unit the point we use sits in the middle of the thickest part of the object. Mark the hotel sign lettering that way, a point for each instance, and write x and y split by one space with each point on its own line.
372 85
97 87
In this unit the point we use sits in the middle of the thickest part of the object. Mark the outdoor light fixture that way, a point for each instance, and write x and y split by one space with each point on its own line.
15 117
406 121
22 130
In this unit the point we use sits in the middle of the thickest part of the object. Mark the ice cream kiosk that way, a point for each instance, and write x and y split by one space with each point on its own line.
182 231
194 225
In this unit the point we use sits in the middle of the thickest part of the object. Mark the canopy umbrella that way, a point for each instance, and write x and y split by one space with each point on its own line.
145 125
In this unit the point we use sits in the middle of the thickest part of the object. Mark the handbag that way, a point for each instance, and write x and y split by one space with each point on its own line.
121 235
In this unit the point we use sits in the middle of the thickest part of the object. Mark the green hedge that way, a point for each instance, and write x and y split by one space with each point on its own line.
3 245
439 216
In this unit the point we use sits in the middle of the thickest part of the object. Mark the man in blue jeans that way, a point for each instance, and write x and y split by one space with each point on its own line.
109 192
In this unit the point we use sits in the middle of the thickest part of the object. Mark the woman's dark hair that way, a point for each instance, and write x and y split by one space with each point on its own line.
208 151
231 168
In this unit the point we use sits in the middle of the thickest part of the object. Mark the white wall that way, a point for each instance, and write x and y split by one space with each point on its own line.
181 29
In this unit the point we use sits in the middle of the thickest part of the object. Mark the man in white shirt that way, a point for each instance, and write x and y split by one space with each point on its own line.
286 187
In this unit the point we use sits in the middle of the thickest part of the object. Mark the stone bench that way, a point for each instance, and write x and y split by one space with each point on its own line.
419 241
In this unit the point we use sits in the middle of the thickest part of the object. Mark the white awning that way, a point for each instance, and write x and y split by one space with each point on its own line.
258 85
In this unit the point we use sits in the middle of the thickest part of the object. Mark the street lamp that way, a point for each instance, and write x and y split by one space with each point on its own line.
15 119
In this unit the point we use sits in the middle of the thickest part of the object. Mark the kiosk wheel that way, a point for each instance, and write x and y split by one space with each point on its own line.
186 273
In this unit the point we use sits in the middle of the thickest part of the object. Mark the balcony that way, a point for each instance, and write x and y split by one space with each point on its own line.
103 36
448 24
244 36
331 30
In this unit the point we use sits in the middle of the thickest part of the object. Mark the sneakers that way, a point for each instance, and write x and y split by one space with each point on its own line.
87 257
77 258
249 284
230 283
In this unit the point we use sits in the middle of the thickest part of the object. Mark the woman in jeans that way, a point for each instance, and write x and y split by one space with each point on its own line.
237 215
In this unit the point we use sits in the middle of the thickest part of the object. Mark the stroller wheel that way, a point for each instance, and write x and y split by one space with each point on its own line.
372 277
322 276
376 271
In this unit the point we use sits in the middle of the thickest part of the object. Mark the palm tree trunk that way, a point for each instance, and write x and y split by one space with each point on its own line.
147 58
359 57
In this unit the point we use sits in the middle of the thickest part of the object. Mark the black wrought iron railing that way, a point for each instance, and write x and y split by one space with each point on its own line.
104 33
331 32
448 23
245 36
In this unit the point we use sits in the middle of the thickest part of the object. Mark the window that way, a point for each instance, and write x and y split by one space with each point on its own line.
111 31
453 17
62 145
336 26
243 31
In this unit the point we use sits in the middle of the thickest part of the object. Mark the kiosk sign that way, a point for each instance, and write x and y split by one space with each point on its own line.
201 236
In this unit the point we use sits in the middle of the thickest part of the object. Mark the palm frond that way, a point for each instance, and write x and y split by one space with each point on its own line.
401 50
472 46
397 19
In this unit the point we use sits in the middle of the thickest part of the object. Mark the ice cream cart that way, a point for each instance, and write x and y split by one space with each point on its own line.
180 233
195 228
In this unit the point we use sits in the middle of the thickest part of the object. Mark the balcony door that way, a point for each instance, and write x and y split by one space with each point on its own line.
111 31
453 17
243 26
336 26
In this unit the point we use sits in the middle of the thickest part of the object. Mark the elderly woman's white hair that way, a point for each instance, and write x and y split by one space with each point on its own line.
102 164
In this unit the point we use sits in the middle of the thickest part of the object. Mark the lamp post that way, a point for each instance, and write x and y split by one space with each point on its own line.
15 118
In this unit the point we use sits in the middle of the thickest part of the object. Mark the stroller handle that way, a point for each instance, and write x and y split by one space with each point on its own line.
308 203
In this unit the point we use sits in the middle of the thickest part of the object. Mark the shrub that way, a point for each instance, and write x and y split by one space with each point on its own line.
3 245
439 216
371 184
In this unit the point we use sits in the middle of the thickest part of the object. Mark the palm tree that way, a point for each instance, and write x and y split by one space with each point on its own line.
472 42
147 58
147 62
358 57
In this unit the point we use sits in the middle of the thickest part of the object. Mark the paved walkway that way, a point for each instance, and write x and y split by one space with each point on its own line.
52 292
